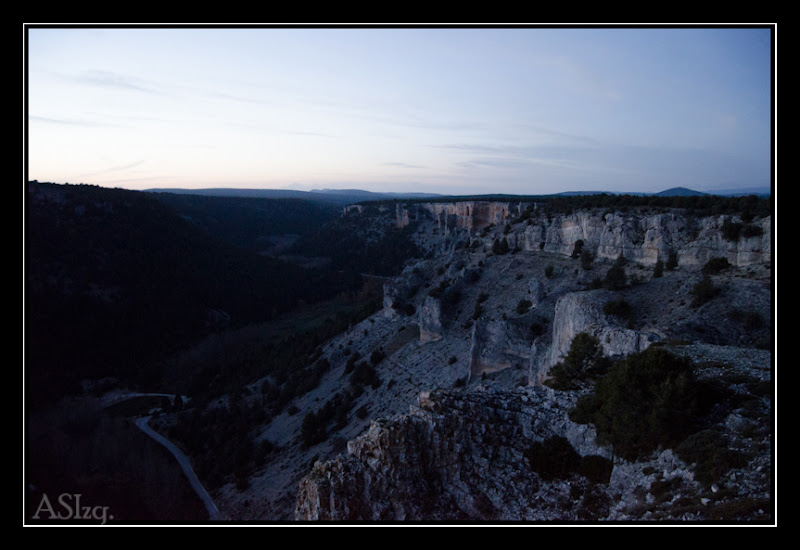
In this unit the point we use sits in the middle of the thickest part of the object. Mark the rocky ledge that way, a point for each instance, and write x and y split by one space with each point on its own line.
515 456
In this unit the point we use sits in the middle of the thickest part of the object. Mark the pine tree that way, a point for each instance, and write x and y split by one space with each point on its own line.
658 270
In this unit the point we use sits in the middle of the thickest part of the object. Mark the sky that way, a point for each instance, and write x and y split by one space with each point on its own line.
452 110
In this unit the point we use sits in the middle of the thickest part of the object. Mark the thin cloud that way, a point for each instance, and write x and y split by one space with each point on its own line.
107 79
403 165
112 169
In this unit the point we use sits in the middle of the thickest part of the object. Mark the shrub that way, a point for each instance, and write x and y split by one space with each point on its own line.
537 328
584 360
647 400
596 468
577 248
751 230
615 277
596 283
586 259
711 454
523 306
715 265
351 362
618 308
658 270
672 260
365 375
548 271
377 356
730 230
555 458
313 430
500 247
704 291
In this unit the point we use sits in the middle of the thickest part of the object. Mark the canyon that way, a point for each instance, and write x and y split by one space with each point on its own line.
468 336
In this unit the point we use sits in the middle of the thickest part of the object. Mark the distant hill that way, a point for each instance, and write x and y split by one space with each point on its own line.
679 192
372 195
342 197
335 196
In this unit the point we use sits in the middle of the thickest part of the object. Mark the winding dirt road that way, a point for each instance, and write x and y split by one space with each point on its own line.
213 512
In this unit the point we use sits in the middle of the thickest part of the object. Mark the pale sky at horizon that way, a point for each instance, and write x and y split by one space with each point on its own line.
443 110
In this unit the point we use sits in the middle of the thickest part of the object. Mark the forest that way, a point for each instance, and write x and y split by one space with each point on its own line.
116 281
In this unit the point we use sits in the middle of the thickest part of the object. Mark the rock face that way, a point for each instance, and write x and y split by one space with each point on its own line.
451 216
643 238
430 320
396 292
535 291
450 459
583 312
496 345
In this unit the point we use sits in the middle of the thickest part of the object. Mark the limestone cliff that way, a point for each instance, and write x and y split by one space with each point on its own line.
642 236
583 312
452 216
498 344
459 456
645 238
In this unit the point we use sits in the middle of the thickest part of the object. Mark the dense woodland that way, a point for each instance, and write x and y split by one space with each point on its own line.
361 243
698 204
116 280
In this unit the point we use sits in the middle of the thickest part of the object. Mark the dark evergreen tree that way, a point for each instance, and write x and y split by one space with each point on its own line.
615 278
658 270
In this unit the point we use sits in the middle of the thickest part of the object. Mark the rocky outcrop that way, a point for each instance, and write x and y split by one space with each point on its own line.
497 345
535 291
459 456
578 312
498 455
450 216
396 293
430 320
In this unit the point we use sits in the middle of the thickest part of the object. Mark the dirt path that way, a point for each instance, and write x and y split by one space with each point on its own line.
183 460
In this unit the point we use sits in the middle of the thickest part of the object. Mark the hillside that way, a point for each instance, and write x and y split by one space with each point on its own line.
252 223
117 280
